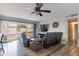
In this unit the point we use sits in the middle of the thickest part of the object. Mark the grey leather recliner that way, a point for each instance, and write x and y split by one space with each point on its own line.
25 40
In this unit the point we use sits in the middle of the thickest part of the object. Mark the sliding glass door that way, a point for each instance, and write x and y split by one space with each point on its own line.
25 27
11 29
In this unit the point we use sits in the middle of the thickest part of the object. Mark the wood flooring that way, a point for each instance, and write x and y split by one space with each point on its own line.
16 48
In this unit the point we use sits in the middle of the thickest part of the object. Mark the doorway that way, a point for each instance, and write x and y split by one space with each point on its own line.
72 36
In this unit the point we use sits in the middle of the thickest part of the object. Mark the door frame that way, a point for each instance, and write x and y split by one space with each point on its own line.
70 19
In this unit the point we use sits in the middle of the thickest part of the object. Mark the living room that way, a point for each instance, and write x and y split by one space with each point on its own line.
53 22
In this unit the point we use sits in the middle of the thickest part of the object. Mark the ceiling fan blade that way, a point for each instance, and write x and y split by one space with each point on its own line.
33 12
39 5
47 11
40 14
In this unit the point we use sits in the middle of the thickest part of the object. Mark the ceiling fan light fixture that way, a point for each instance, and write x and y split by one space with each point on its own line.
38 10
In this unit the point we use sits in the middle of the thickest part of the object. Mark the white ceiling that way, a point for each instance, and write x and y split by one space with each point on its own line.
21 10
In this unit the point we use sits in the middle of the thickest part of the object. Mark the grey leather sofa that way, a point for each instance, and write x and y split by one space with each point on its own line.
52 38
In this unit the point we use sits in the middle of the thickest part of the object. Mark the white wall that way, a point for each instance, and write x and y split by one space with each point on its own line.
60 27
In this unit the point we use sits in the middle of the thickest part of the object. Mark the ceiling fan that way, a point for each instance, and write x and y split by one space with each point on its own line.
38 10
